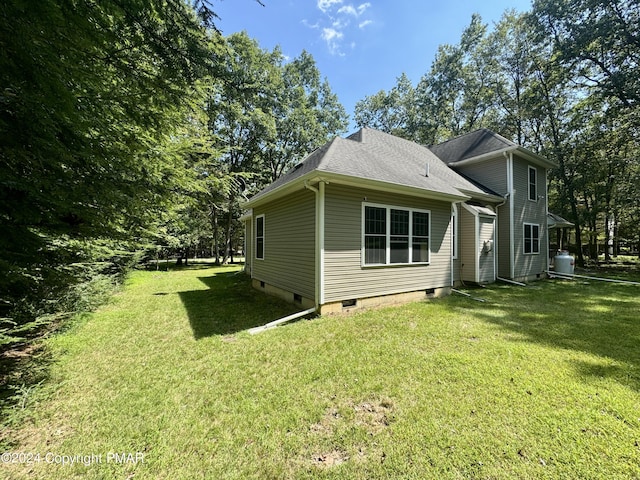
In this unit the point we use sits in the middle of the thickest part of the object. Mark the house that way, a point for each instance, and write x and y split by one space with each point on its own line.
373 219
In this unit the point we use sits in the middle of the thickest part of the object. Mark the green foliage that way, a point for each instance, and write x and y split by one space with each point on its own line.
93 99
261 119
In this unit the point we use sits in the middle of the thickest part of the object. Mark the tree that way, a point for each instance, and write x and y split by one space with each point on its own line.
595 44
393 112
92 96
306 112
600 41
263 119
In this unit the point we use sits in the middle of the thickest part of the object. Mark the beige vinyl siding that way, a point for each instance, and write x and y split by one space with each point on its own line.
346 278
289 243
467 245
527 211
504 240
490 173
486 259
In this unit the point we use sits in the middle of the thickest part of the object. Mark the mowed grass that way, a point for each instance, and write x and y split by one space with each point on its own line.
536 382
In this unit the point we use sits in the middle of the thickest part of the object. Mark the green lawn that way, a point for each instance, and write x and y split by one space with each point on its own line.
536 382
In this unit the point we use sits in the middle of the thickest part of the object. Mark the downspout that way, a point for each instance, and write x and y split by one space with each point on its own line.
476 219
512 261
454 219
546 213
319 237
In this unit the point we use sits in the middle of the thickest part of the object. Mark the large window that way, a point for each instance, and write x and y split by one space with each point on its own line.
533 184
531 238
394 235
260 237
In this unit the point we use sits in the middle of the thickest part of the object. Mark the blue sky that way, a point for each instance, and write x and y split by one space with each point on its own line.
360 46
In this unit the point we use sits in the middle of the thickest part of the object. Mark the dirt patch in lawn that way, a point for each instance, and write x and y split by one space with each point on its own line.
370 418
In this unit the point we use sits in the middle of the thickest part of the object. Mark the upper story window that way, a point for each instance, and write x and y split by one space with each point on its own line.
395 235
531 238
260 237
533 184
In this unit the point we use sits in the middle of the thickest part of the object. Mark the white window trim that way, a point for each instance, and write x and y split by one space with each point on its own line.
255 237
388 236
454 232
535 199
524 238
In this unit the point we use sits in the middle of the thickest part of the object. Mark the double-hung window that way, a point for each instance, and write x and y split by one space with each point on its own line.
260 237
395 235
531 238
533 184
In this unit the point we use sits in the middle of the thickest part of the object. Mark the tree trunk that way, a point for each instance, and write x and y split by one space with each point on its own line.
227 233
214 227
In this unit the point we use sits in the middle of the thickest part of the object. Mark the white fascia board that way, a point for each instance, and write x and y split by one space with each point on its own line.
247 215
483 196
527 154
535 158
390 187
341 179
281 191
480 158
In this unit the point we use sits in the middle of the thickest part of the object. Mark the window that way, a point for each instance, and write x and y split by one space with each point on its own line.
531 238
393 235
260 237
533 184
375 237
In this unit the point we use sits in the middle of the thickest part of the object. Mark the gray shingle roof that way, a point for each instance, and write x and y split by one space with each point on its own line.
374 155
471 145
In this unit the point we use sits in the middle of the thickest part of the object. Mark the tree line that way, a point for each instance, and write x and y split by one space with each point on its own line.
562 80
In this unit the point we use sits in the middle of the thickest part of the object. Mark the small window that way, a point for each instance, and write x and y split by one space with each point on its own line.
395 235
260 237
531 238
399 240
533 184
420 238
375 235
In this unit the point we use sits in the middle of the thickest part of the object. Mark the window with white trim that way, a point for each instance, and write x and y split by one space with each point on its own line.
395 235
533 183
531 238
260 237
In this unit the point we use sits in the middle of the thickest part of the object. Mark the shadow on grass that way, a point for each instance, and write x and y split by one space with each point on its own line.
593 317
230 305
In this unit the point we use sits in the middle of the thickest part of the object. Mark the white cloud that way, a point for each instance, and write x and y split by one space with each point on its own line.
329 34
363 7
349 10
325 5
333 38
335 23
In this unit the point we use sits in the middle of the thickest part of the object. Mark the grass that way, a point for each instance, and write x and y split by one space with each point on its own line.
536 382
